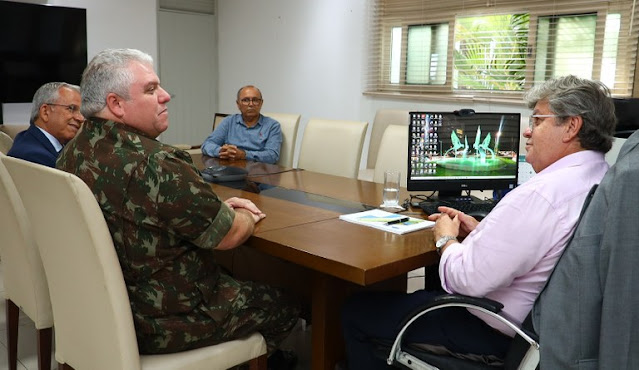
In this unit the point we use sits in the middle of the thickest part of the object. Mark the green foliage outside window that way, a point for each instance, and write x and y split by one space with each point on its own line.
490 52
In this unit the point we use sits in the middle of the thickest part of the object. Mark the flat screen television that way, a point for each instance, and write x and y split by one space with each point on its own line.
39 44
451 152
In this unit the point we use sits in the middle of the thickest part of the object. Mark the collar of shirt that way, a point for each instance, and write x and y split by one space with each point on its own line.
56 144
240 121
575 159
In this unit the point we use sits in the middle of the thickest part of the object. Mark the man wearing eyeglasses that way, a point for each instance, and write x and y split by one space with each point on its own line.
55 119
248 135
510 254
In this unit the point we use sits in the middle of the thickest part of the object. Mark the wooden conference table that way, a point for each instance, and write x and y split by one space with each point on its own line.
337 257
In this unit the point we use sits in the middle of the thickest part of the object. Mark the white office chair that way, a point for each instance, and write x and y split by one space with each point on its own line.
383 118
6 142
217 118
393 153
333 147
91 308
25 284
13 130
289 124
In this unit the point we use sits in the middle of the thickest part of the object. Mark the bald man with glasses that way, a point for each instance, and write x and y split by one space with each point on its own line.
55 119
247 135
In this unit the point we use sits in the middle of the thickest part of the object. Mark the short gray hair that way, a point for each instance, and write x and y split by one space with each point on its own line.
47 94
246 87
108 73
573 96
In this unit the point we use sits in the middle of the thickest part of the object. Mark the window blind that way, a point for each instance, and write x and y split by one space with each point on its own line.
498 49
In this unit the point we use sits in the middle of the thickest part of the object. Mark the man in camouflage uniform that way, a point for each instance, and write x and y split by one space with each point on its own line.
164 220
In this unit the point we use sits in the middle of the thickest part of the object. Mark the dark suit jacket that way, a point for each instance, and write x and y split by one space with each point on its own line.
587 316
31 145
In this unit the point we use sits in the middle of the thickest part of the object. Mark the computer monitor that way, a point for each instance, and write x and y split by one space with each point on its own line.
463 150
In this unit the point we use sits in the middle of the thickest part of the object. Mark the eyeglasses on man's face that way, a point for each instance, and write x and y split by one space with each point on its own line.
536 119
247 101
72 108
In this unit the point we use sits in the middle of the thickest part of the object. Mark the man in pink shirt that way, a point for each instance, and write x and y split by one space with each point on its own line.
510 254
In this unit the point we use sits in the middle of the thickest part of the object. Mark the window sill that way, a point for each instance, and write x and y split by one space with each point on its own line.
454 98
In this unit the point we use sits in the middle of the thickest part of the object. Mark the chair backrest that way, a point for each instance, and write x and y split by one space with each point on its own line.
5 143
217 118
93 320
333 147
393 153
596 269
25 282
13 130
289 124
383 118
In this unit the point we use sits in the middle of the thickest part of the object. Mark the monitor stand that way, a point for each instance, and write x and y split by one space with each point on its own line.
454 196
466 203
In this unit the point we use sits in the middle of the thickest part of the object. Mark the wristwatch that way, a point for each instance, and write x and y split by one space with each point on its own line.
441 242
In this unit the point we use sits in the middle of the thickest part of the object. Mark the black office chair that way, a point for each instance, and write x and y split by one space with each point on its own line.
627 111
523 352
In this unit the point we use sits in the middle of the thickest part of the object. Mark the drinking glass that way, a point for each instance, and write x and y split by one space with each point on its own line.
390 195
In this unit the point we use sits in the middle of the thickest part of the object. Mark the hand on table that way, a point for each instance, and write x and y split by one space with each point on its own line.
229 151
246 204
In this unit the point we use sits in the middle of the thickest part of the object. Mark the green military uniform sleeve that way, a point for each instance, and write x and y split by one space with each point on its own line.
186 205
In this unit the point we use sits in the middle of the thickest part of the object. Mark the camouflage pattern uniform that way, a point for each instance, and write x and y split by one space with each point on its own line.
165 221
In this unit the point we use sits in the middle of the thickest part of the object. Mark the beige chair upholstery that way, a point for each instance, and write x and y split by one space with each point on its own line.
289 124
217 118
332 146
5 143
393 153
25 284
383 118
93 320
13 130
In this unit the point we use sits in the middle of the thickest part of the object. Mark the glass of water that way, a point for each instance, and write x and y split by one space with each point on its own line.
390 196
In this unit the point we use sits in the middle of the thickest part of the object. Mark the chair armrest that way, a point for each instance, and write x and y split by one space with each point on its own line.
485 305
456 300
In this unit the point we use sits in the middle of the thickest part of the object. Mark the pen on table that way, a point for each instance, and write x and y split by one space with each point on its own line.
398 221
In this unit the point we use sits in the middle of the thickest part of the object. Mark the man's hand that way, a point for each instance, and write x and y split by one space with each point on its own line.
446 226
241 203
230 151
246 216
466 223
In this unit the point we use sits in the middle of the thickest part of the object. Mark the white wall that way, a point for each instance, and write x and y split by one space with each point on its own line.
307 57
110 24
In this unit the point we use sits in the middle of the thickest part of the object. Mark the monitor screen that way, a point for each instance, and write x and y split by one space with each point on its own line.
39 44
462 150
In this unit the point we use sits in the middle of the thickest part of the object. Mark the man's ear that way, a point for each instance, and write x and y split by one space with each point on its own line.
43 113
573 126
114 103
